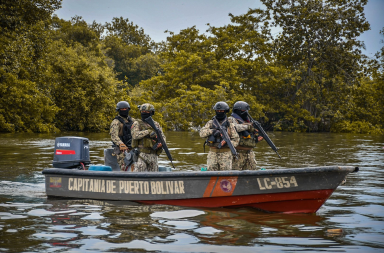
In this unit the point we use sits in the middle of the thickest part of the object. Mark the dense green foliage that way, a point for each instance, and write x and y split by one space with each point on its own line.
25 104
60 74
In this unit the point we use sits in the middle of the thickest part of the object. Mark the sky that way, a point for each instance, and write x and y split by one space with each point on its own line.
157 16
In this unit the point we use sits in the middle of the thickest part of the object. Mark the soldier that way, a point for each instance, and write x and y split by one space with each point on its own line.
120 132
248 137
219 158
144 138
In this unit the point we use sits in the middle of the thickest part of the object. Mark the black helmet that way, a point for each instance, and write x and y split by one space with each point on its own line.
122 104
221 106
241 105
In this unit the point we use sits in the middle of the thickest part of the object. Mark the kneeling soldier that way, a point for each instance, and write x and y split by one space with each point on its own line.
248 137
219 156
144 138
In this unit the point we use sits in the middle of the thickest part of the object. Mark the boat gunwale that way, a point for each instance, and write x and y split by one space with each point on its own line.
178 174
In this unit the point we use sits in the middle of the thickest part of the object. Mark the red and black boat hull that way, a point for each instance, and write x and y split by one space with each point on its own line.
302 190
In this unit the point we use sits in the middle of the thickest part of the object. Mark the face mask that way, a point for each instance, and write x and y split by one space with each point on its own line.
145 115
124 113
244 115
220 115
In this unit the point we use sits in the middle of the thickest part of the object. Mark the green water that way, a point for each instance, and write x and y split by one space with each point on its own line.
31 223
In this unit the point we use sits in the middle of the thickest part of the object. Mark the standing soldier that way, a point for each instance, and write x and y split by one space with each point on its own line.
120 132
248 137
144 138
219 156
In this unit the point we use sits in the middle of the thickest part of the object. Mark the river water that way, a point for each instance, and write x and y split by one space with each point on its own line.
29 222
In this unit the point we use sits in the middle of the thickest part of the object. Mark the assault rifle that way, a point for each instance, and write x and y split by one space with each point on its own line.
160 138
225 136
258 126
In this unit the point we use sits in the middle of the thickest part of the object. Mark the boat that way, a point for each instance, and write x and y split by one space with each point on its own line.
296 190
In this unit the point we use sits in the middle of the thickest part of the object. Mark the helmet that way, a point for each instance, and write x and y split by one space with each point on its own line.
122 104
241 105
221 106
147 107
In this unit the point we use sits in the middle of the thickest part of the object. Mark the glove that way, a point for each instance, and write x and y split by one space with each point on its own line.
251 128
152 135
216 133
123 147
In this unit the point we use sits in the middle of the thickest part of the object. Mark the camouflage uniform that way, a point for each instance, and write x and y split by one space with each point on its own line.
220 159
148 158
115 131
246 157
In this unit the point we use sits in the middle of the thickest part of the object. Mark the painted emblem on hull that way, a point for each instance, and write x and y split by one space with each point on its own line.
225 185
55 182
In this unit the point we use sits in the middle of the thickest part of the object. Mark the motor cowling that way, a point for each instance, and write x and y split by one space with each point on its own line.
71 152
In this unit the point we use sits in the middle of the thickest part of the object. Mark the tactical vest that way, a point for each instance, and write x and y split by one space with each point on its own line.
145 144
125 130
247 141
213 141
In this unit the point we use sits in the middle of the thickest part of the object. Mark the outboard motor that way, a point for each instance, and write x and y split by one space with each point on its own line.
71 152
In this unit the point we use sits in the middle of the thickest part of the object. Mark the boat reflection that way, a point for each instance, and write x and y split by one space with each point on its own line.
243 226
124 221
112 221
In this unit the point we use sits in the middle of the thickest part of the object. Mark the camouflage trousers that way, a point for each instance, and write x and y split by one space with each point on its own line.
246 161
146 162
219 161
120 160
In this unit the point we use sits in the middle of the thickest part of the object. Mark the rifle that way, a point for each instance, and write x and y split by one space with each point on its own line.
258 126
160 138
225 136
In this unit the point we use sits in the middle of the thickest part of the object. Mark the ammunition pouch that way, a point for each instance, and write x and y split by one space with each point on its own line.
151 151
144 143
213 144
246 135
247 139
213 141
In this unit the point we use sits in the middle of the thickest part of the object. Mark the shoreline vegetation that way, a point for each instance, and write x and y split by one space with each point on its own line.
67 75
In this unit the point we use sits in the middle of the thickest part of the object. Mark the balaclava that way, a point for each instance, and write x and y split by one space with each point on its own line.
242 114
220 115
145 115
124 113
